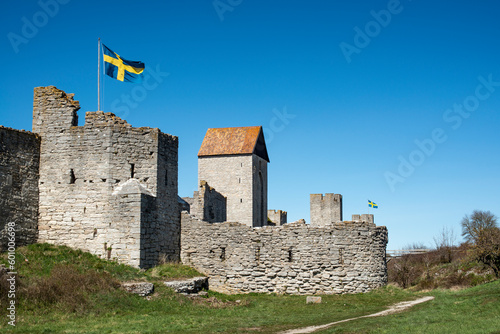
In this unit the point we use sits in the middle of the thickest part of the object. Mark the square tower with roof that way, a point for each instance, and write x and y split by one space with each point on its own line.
234 162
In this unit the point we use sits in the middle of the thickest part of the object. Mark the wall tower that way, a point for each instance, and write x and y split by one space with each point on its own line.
325 209
234 162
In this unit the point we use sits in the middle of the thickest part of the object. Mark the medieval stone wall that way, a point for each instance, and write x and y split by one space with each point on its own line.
346 257
363 218
19 162
277 217
232 177
208 204
105 187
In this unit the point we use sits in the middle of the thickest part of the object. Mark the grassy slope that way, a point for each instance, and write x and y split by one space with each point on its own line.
112 310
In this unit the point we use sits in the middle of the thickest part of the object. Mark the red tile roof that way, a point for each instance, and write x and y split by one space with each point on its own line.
234 141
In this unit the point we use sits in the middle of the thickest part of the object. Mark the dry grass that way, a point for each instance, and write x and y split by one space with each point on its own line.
67 288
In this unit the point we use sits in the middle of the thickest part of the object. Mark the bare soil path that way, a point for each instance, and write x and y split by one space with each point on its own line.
393 309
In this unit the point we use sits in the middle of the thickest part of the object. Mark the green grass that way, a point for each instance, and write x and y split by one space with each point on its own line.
101 307
472 310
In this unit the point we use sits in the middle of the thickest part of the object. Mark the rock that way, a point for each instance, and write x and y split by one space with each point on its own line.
313 300
139 288
191 285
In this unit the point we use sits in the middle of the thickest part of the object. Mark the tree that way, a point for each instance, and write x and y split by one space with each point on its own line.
487 249
445 241
477 222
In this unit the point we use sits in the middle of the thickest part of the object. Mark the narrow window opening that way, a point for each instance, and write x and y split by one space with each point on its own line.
242 164
132 170
239 180
241 200
166 177
257 254
290 255
341 256
223 253
72 178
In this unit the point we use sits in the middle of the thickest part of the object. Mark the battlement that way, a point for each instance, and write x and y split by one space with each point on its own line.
363 218
326 197
104 119
54 111
325 209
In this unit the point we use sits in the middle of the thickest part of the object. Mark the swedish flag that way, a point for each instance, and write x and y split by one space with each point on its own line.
372 205
122 69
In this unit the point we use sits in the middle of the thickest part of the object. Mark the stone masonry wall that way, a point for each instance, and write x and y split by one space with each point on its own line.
325 209
19 163
208 204
105 187
277 217
363 218
232 176
346 257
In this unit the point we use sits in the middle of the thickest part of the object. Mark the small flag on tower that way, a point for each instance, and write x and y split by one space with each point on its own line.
372 205
122 69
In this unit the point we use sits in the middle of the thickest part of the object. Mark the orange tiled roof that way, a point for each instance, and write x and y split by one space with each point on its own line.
232 141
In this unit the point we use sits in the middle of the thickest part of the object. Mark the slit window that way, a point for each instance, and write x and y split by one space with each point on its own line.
290 255
132 170
223 253
72 178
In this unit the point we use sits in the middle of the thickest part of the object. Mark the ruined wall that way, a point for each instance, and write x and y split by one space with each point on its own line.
105 187
19 163
325 209
345 257
277 217
208 204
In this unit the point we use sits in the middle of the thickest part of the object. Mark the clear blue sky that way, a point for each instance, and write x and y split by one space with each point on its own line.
353 93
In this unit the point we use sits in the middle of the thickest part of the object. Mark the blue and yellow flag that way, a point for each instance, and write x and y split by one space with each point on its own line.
122 69
372 205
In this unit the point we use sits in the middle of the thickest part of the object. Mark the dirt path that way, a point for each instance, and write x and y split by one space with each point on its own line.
393 309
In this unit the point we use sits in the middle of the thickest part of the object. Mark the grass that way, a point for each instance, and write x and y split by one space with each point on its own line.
472 310
67 291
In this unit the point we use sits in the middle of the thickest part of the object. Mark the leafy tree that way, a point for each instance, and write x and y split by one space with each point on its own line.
477 222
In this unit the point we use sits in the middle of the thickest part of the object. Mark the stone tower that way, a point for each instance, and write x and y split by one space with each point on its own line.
325 209
234 162
105 187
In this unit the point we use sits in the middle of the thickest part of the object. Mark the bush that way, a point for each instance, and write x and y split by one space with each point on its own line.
487 249
67 287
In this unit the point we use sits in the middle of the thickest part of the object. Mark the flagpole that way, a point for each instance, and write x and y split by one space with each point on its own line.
99 74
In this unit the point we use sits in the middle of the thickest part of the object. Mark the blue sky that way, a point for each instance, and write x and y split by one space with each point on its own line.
393 101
